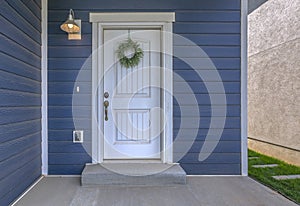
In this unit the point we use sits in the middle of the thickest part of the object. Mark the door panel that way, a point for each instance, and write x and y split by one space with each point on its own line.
132 130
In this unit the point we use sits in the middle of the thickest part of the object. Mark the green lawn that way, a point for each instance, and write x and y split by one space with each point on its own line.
289 188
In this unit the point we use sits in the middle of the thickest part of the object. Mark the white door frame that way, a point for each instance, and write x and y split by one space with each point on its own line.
101 21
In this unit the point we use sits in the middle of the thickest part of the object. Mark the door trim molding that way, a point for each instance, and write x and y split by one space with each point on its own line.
101 21
133 17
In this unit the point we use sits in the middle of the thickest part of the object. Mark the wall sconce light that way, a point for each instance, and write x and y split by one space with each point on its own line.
72 26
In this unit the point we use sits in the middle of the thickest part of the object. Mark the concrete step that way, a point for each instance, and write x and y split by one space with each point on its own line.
142 174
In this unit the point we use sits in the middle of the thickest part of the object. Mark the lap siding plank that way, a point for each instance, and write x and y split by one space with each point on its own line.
20 97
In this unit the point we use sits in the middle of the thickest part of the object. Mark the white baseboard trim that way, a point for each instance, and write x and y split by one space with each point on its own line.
26 191
62 175
186 175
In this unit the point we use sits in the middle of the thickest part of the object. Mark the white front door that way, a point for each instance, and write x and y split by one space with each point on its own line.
132 127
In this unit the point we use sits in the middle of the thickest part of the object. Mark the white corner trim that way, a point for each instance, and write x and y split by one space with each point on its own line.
133 17
244 93
44 85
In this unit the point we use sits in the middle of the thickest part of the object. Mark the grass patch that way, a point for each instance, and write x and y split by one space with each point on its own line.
289 188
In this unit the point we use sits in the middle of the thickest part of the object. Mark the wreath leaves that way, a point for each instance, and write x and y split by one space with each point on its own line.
129 44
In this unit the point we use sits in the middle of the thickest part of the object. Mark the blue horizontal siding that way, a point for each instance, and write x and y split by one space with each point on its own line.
69 158
26 13
67 99
60 39
73 63
20 97
209 39
181 16
215 158
69 87
19 52
211 51
21 158
10 115
38 3
15 82
221 146
16 146
15 18
68 123
34 6
204 99
11 98
134 5
212 169
18 36
207 28
65 135
68 75
207 63
12 182
14 131
200 87
206 111
212 25
205 122
68 112
69 51
11 64
210 76
58 15
208 16
226 134
74 169
62 147
20 188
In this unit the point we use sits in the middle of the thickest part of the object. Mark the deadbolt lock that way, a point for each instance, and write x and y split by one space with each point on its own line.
106 95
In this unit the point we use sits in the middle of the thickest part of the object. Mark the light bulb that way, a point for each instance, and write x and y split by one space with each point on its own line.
70 26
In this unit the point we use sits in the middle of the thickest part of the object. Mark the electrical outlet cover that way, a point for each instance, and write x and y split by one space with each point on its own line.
78 136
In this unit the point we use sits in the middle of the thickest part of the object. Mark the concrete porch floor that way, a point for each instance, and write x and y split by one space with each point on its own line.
206 191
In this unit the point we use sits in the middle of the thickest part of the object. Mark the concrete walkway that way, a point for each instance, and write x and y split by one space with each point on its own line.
206 191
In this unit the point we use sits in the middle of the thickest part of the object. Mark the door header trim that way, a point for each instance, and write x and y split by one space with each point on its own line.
133 17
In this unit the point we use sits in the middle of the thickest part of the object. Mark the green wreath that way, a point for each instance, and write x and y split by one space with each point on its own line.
129 62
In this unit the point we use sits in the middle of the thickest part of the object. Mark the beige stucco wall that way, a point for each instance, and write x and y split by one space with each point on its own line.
274 77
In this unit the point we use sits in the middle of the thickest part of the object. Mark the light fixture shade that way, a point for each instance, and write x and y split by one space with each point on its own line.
70 26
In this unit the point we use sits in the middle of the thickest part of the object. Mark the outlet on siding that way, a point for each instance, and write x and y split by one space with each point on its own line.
78 136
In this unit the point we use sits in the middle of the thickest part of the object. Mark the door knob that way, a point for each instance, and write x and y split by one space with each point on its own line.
106 104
